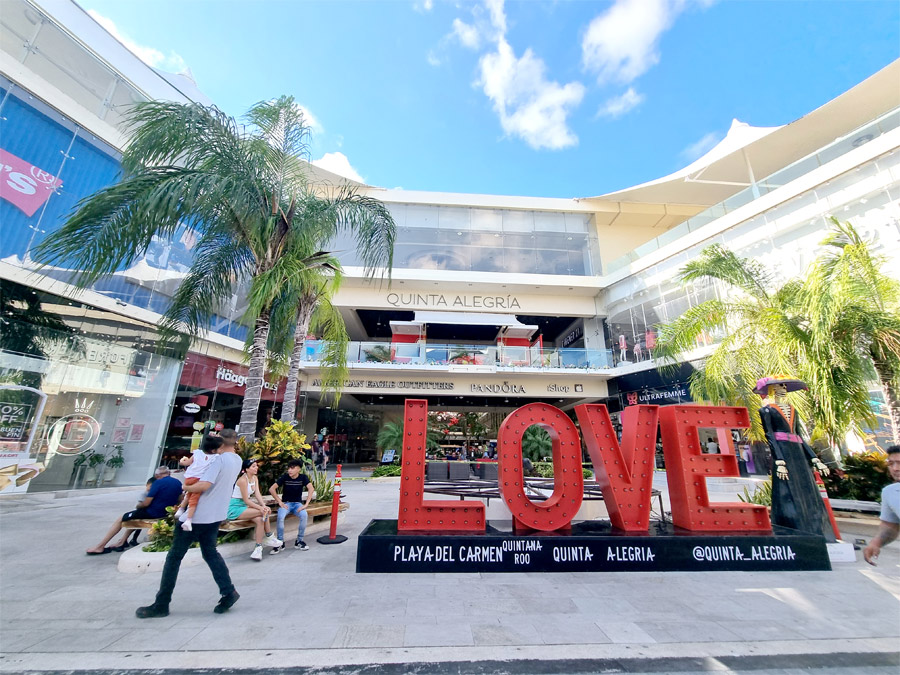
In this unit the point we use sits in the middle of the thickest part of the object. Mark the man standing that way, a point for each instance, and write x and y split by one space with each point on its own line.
165 491
890 509
215 489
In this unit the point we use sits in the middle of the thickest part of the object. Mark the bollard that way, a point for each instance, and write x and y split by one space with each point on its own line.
333 537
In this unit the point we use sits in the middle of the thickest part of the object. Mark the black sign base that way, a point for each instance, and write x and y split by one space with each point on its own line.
590 546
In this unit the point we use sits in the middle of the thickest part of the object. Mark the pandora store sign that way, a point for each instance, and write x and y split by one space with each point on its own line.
471 385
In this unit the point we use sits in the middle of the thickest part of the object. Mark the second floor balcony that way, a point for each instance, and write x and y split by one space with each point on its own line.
487 358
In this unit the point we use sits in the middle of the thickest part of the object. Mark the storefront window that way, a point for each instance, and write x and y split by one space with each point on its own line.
74 402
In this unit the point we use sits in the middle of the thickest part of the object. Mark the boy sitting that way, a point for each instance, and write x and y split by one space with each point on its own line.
292 484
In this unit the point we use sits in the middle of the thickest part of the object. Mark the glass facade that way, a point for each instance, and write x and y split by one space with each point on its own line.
489 240
51 164
78 386
784 239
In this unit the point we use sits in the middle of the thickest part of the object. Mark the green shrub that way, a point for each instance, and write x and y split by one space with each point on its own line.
163 532
387 470
545 470
862 478
279 444
762 494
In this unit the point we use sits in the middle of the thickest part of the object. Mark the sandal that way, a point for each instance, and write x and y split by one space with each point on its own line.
104 551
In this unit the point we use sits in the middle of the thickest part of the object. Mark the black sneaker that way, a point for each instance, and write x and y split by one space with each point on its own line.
151 611
301 545
276 550
225 602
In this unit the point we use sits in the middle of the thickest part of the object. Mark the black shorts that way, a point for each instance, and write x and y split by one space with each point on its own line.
138 514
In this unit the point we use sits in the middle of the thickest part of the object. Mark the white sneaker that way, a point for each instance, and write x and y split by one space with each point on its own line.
179 513
272 540
257 553
186 525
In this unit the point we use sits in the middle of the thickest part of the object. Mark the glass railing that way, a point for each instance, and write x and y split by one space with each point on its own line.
801 167
493 356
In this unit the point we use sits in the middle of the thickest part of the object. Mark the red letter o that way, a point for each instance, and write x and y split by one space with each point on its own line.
568 481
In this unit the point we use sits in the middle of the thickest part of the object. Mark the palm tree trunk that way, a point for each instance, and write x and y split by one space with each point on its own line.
253 390
289 405
886 378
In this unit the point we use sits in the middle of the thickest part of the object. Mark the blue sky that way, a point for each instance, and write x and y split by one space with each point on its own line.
545 99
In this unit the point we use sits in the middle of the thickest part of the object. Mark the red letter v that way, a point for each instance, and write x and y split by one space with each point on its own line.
625 474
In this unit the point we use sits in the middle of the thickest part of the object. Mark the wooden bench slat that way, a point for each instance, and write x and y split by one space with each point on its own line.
232 525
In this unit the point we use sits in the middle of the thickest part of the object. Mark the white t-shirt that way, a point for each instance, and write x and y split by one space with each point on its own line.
201 463
890 503
213 504
712 448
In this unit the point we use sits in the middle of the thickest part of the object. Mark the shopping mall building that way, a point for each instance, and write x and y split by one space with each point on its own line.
495 301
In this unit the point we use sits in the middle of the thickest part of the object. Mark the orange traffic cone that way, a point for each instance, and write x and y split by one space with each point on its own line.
333 537
824 495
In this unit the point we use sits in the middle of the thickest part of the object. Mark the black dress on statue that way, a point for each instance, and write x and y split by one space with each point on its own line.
796 502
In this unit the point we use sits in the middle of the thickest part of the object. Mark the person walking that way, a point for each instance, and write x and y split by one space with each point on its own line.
215 489
890 509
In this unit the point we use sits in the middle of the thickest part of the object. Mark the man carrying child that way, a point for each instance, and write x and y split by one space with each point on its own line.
291 501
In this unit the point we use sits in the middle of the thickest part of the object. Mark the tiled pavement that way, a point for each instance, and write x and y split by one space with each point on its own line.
60 609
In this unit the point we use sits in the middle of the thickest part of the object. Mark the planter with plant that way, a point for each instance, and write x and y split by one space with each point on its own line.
387 470
91 461
377 354
162 533
113 463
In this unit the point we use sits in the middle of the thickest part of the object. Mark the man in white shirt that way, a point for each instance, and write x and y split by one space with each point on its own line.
890 509
215 488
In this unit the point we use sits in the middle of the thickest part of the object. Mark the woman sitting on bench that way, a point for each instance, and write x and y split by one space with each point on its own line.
242 507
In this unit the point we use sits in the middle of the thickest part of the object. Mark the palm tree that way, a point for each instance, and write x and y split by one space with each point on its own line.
243 190
856 313
768 330
391 436
307 306
536 444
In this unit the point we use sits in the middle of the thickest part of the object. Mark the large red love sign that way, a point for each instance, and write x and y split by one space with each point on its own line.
623 471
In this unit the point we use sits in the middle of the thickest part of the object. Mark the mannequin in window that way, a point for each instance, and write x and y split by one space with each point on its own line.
638 351
650 342
796 502
623 348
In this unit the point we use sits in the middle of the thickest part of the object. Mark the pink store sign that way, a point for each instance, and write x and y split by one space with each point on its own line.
24 185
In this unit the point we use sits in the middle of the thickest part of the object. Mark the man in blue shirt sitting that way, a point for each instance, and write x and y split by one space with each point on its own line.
165 491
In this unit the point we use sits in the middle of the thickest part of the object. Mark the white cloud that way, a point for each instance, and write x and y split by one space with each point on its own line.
311 120
619 105
172 63
622 43
423 5
467 34
701 147
433 59
337 162
528 104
